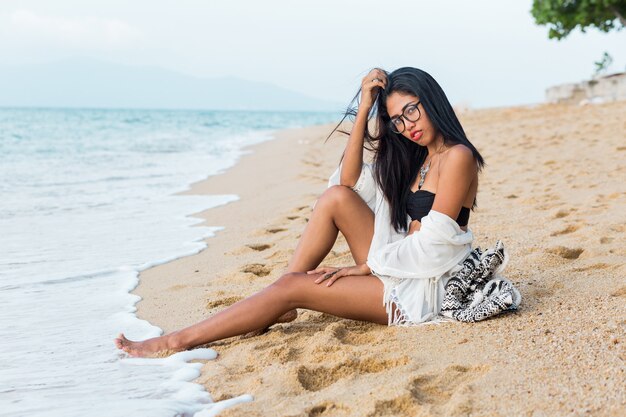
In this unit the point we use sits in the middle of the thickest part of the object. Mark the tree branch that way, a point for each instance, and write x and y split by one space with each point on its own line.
621 18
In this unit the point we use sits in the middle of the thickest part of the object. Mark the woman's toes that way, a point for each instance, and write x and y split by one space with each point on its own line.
119 341
123 343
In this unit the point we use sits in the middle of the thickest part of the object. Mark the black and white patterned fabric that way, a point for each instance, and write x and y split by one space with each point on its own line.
476 291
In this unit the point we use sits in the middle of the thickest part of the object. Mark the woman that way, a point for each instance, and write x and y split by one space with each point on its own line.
424 167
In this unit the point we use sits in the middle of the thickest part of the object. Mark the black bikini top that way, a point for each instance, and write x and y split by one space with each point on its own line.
420 202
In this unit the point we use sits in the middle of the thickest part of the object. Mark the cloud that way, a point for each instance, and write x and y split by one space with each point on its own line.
27 27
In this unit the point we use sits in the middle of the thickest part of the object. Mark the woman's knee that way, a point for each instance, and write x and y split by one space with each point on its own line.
289 286
335 196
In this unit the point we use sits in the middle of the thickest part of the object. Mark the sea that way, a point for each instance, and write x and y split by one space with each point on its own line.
88 199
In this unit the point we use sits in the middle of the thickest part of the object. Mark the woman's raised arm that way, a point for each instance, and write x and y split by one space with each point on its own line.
353 154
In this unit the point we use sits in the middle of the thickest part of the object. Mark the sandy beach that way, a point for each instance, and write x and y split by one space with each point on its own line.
553 190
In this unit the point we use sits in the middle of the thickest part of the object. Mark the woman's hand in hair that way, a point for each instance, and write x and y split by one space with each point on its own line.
370 86
332 274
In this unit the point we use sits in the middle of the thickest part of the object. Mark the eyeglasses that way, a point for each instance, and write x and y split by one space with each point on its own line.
410 112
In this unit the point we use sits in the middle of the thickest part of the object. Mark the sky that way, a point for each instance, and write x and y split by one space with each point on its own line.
484 53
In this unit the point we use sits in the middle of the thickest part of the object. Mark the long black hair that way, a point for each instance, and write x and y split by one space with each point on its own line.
396 159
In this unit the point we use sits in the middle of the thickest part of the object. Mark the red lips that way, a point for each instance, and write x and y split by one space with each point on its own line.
416 135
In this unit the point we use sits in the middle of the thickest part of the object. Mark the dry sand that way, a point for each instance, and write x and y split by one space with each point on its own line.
554 190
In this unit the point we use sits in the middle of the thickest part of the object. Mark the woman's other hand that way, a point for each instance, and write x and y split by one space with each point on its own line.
332 274
414 226
370 86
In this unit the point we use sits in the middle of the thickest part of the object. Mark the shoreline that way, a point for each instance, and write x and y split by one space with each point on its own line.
255 166
542 192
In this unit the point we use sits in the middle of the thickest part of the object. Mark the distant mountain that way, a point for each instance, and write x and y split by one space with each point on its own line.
91 83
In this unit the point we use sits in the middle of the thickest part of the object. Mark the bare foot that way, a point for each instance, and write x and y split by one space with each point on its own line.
143 349
289 316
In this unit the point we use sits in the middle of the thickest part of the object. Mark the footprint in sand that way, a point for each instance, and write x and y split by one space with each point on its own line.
177 287
438 388
327 409
316 379
276 230
352 335
259 270
621 292
322 318
279 255
313 177
565 252
549 206
443 393
259 246
311 163
284 354
227 301
547 291
322 353
562 213
404 405
569 229
596 266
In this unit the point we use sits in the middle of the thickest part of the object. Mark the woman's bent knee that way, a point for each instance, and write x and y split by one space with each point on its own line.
286 280
289 285
336 195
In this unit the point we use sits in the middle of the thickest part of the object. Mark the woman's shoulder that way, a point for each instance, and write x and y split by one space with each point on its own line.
460 151
459 157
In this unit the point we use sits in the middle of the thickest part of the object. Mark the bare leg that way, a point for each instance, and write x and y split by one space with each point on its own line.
353 297
338 209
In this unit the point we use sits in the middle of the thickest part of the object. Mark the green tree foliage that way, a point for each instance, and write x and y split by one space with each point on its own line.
563 16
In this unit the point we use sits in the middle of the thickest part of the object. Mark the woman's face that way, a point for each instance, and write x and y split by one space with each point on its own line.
420 131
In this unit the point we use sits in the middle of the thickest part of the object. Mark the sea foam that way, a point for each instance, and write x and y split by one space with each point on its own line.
90 199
